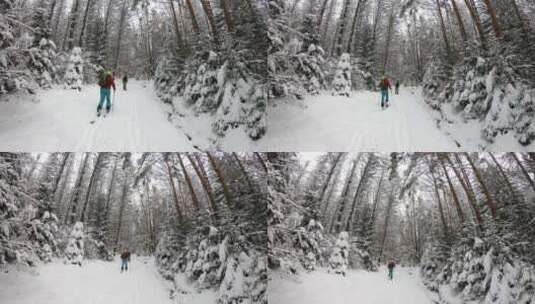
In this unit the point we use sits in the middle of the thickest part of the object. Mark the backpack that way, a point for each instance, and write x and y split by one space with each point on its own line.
102 79
384 84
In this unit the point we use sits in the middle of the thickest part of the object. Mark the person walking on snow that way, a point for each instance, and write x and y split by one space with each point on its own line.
397 87
391 266
106 82
385 85
125 80
125 258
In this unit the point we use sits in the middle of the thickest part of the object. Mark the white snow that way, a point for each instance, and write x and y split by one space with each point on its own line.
97 282
319 287
357 123
59 120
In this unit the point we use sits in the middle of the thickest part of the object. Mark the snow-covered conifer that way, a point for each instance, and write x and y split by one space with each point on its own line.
74 253
342 78
74 72
338 260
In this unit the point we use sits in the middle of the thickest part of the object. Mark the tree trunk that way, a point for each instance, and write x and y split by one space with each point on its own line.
75 199
388 39
354 26
61 170
519 16
110 188
201 174
244 171
460 21
322 12
439 202
338 214
261 161
494 18
342 29
387 221
84 22
89 190
490 202
477 22
51 12
329 176
105 36
467 189
505 177
356 202
221 178
524 171
65 180
173 187
194 198
194 23
228 15
211 21
377 197
443 27
120 35
121 210
72 24
452 190
175 24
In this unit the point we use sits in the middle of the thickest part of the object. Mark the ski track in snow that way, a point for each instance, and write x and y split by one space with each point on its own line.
320 287
97 282
60 121
337 123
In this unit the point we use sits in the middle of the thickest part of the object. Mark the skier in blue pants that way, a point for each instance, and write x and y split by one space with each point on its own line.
106 82
125 258
385 86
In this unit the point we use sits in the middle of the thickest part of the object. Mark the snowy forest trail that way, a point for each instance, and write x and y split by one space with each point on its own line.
338 123
60 121
319 287
94 282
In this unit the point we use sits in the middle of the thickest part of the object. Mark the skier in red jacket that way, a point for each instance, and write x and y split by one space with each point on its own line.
385 85
106 82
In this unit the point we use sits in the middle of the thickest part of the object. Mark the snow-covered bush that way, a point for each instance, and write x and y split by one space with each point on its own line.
206 263
43 232
342 78
245 280
309 67
221 84
74 72
96 248
41 64
338 261
485 86
167 79
209 260
74 253
480 269
308 244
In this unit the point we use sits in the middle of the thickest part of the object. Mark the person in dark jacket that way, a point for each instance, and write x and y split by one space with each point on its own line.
397 87
106 82
125 80
391 266
125 258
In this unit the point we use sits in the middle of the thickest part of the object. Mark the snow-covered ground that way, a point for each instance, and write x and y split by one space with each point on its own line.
59 120
97 282
338 123
320 287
